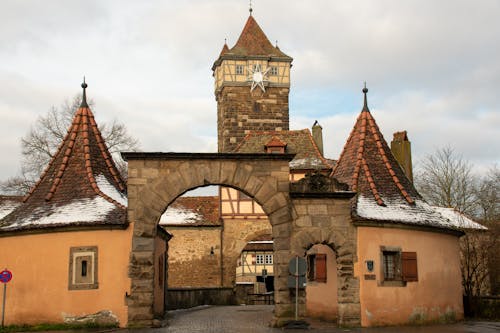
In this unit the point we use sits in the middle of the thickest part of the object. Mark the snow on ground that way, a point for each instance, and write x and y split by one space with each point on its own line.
111 191
421 213
81 210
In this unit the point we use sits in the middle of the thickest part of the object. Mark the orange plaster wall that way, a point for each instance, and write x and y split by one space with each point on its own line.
321 298
38 291
436 296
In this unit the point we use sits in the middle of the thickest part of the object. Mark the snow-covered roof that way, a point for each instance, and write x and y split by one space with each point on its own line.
8 204
175 215
419 214
111 191
192 211
298 142
80 186
385 193
78 212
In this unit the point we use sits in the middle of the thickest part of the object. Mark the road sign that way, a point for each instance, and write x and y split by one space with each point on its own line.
5 276
297 266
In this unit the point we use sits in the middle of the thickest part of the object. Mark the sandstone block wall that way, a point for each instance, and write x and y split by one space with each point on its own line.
190 262
240 111
325 221
237 233
157 181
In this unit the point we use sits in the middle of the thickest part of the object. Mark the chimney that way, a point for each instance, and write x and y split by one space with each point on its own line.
401 149
317 133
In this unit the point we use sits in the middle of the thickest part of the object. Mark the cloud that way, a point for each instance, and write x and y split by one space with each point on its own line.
431 66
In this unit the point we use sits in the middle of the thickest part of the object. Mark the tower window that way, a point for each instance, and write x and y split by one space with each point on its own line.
274 70
239 69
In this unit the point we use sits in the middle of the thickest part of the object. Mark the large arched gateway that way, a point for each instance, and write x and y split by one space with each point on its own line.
157 179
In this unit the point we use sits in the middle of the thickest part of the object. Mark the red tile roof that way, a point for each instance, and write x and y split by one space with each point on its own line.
367 165
275 142
81 170
298 142
252 42
224 50
206 210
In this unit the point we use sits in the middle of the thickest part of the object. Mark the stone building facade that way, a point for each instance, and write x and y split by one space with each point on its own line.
252 62
365 232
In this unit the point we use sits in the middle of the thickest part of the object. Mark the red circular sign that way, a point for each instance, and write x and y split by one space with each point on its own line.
5 276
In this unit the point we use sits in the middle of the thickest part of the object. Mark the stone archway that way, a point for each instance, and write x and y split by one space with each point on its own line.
157 179
342 241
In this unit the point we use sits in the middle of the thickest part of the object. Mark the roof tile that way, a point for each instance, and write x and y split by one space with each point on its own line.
70 177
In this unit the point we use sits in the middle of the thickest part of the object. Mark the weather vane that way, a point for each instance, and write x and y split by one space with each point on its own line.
250 9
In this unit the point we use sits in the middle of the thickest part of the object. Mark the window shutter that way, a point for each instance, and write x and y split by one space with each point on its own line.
321 267
409 266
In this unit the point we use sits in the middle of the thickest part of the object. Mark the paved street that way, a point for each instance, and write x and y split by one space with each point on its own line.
255 319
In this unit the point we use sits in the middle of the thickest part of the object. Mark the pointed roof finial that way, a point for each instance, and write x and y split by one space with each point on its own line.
250 8
84 96
365 106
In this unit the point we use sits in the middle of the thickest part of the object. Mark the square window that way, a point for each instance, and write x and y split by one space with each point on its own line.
269 259
273 71
398 267
83 268
256 68
259 259
239 69
391 265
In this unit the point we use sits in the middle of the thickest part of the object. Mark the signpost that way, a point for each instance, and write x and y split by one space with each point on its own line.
297 268
5 277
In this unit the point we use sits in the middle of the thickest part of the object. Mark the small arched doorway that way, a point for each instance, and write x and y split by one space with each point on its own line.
322 286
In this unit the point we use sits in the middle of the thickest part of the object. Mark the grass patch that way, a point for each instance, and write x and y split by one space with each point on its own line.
53 327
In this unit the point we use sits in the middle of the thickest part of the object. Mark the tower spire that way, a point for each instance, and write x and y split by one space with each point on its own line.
84 95
365 106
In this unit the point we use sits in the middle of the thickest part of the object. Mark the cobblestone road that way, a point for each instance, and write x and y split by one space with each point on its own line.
255 319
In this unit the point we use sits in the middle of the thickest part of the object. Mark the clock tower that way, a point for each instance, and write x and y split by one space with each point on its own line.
252 83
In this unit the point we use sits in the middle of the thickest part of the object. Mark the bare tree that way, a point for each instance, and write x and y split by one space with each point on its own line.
445 179
41 142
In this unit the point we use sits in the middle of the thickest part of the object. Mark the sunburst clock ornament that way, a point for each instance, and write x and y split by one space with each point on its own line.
258 77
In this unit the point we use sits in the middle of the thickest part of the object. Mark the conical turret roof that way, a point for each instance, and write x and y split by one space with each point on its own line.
385 194
367 165
80 186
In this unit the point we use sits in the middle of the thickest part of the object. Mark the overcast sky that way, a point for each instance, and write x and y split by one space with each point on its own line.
432 68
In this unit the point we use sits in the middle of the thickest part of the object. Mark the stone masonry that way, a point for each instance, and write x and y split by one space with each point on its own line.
157 179
326 221
297 222
240 111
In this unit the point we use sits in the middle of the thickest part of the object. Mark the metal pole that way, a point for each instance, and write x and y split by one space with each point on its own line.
3 303
296 287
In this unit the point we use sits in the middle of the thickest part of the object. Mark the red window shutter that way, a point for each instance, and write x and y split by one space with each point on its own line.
409 266
321 267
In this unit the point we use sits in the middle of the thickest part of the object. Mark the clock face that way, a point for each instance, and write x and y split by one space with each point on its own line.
258 77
